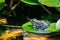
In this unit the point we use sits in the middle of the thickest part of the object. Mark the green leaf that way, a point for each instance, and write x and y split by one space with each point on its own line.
52 27
2 4
50 3
32 2
28 27
58 9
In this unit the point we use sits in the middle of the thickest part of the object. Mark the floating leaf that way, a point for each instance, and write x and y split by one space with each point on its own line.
2 4
50 3
28 27
32 2
52 27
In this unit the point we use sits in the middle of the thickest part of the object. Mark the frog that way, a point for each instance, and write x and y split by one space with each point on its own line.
39 24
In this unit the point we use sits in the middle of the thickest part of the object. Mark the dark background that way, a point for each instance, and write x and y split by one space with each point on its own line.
32 11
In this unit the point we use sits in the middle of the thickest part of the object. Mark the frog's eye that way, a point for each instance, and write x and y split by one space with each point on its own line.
50 3
58 25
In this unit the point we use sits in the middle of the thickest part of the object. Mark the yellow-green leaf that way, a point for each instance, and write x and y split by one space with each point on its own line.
2 4
28 27
50 3
32 2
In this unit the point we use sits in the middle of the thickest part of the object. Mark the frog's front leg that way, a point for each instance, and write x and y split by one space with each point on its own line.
34 27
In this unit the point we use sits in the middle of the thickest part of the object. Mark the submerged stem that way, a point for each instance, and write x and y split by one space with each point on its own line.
14 13
46 9
11 3
12 26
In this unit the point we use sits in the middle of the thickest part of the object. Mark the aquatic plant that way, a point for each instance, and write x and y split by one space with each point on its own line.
8 34
49 3
32 2
12 7
29 27
53 27
8 10
2 2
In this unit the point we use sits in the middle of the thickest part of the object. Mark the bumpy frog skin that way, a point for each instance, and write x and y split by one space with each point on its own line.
50 3
41 25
